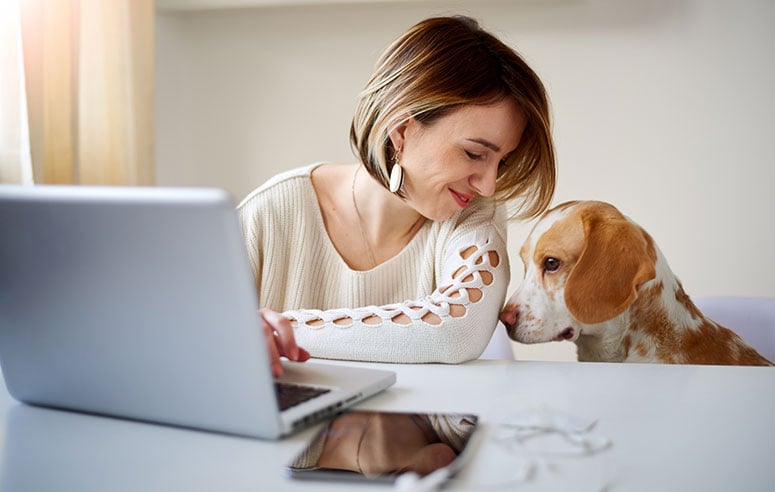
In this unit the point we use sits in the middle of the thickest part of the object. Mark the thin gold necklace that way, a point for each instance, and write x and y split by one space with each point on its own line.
360 221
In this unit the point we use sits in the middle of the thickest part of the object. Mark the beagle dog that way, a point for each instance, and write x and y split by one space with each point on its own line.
596 278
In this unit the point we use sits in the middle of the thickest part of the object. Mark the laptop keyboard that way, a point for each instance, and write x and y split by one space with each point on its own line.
290 395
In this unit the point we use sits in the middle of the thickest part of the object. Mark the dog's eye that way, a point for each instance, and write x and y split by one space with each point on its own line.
551 264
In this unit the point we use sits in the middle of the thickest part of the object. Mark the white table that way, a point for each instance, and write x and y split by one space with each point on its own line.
679 428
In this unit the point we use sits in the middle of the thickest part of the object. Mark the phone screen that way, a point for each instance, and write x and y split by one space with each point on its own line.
379 446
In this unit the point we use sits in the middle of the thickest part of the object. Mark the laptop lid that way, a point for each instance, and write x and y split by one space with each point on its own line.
140 303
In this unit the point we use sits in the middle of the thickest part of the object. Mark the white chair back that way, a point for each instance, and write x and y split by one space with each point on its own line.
500 346
753 318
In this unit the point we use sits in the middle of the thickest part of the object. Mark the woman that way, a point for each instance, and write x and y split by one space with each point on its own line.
402 256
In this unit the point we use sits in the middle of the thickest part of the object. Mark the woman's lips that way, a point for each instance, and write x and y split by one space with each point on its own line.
462 199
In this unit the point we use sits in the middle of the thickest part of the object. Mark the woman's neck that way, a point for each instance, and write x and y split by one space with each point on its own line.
366 223
385 216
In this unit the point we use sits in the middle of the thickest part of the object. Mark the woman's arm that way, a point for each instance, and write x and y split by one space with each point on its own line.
452 324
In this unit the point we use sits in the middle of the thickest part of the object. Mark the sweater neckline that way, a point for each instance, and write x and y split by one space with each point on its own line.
418 238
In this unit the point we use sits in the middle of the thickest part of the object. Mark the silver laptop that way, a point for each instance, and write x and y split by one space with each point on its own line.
140 303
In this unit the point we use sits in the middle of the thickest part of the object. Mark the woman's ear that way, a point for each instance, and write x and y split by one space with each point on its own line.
398 134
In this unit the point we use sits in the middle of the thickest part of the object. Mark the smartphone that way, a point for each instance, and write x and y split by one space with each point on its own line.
378 446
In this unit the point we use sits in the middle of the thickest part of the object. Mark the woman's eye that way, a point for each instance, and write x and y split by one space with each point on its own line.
551 264
473 156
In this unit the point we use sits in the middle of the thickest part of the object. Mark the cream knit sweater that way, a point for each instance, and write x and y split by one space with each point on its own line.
299 272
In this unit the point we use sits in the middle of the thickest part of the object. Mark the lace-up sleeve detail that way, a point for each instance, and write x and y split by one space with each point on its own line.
452 324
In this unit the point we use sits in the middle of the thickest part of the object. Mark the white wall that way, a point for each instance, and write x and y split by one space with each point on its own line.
664 108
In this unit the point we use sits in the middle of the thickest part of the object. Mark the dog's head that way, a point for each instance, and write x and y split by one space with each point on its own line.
584 263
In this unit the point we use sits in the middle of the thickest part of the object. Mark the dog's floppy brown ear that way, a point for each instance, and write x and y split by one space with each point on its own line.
617 258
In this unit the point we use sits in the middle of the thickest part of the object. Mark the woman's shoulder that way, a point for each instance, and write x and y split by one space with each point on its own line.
483 213
294 177
482 222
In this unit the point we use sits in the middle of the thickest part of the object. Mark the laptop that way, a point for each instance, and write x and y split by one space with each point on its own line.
140 303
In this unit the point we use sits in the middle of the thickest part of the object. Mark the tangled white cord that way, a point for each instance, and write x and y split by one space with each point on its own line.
515 431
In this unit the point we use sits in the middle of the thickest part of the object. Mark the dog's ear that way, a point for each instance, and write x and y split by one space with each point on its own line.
617 258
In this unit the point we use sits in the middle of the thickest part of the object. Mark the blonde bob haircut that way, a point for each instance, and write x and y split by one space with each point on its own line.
439 65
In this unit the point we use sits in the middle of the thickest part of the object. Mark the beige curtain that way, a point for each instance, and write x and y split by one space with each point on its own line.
89 81
15 163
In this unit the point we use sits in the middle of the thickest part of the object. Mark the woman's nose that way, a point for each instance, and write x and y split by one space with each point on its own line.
484 180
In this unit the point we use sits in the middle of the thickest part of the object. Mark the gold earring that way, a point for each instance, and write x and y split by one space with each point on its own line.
396 175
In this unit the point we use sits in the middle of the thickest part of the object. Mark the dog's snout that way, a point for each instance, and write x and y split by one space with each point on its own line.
509 315
567 333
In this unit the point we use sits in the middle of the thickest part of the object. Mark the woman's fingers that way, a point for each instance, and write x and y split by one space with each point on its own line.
303 355
280 339
274 354
286 343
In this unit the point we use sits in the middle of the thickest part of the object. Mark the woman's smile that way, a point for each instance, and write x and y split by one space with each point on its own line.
462 199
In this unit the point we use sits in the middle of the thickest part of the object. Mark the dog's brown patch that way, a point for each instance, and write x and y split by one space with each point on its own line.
652 319
617 258
565 241
627 342
712 343
706 343
641 349
683 299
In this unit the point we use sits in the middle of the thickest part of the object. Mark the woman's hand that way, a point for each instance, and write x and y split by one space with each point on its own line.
280 340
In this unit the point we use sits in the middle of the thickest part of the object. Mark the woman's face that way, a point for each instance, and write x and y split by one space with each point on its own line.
454 159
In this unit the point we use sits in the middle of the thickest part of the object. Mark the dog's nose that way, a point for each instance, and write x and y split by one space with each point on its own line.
567 333
509 315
